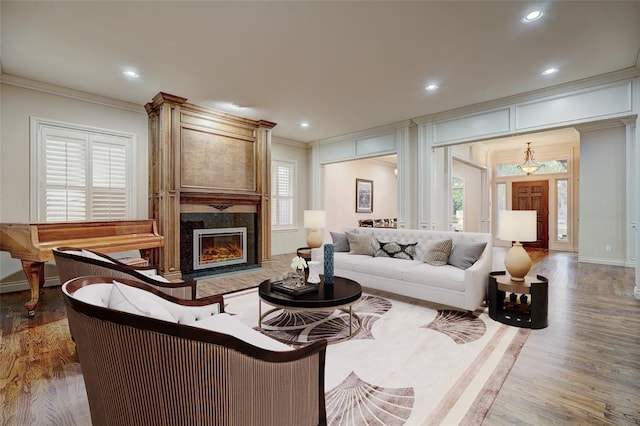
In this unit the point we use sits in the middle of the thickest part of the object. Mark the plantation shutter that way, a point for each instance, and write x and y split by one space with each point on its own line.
83 175
283 175
109 183
65 176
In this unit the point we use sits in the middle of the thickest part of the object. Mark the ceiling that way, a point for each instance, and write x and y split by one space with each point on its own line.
342 66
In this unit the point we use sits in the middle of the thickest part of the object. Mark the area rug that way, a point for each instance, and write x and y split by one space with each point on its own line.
409 364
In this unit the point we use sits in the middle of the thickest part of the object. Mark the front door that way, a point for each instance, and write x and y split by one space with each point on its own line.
533 196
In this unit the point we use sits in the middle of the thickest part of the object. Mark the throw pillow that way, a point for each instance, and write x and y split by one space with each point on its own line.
340 241
137 301
463 255
396 250
360 244
437 252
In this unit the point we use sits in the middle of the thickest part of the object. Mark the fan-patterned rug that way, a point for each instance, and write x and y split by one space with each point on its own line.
410 363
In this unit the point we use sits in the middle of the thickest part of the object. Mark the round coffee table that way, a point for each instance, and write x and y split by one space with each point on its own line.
341 295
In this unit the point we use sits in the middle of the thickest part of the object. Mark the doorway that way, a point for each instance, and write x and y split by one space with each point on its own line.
534 195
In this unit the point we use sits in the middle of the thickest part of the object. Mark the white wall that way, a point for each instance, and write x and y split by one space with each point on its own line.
602 196
339 183
17 105
287 241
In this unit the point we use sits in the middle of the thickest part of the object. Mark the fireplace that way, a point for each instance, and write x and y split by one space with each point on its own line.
214 248
217 243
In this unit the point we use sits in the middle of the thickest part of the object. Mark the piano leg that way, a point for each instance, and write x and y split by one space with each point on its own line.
35 274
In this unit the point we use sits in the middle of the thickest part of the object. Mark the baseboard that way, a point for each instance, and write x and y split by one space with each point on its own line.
13 286
601 261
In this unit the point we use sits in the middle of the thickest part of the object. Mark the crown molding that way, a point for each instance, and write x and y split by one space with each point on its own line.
290 142
70 93
374 131
501 103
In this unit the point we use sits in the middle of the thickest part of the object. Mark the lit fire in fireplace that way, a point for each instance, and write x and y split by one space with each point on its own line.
213 248
220 253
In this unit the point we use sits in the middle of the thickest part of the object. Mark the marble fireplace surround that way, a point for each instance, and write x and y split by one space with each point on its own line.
189 222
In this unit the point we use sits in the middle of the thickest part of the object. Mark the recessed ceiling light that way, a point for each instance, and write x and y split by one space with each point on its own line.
431 87
550 71
236 106
131 73
304 124
534 15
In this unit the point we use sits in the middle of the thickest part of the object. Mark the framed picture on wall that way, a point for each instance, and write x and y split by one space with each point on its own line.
364 196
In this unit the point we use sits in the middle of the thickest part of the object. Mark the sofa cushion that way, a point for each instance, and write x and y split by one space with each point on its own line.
446 276
437 252
360 244
224 323
396 250
340 241
387 267
346 261
464 255
137 301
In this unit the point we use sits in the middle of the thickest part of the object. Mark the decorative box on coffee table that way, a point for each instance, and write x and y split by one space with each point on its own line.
530 312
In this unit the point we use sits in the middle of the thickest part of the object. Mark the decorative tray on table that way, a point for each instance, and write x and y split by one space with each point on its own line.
294 288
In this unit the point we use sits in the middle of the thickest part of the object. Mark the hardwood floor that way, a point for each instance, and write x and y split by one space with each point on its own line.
583 369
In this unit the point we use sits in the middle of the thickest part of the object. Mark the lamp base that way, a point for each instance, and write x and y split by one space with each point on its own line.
314 239
517 262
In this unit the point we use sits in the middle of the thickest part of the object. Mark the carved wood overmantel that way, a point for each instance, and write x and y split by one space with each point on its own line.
200 158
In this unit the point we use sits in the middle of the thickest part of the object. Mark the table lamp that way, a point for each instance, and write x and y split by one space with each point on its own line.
314 219
518 226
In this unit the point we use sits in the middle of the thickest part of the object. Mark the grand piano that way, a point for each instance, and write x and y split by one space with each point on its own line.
32 243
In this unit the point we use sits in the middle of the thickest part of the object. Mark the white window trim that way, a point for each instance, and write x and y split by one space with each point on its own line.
37 168
294 218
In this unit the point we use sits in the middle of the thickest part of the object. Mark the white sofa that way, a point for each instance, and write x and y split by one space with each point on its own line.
447 284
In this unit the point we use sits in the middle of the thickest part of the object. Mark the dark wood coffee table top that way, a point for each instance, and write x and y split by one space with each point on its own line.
342 292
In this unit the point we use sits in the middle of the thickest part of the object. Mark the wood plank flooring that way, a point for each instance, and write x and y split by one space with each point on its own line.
583 369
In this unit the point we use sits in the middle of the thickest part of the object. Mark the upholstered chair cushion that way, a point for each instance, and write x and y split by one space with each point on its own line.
137 301
437 252
97 294
224 323
94 256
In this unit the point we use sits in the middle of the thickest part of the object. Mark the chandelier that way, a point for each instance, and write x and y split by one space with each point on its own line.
530 165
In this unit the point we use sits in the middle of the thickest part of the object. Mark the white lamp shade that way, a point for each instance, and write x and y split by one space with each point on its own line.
314 219
517 225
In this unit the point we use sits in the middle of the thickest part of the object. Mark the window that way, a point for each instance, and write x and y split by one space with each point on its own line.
562 186
283 175
81 173
458 204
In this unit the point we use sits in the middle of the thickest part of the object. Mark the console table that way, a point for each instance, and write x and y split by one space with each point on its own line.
532 314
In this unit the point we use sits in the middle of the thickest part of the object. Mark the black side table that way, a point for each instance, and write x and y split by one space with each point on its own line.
531 314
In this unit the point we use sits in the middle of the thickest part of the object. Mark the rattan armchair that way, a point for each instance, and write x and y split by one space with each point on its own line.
71 263
145 371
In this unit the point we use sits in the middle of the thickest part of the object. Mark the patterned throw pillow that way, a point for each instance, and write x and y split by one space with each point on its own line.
396 250
360 244
437 252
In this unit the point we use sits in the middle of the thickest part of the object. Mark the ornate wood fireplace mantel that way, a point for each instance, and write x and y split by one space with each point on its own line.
200 158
